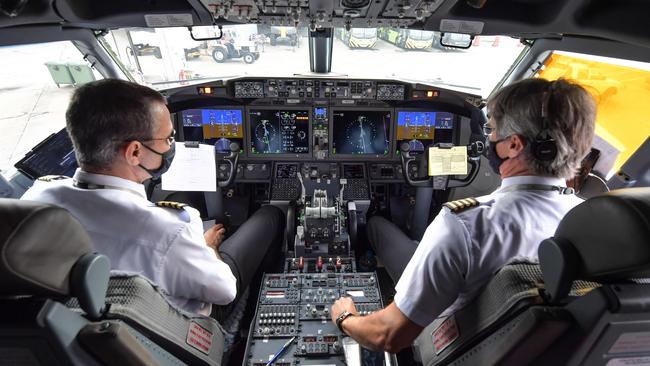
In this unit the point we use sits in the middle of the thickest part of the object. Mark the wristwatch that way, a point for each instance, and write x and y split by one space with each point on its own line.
339 320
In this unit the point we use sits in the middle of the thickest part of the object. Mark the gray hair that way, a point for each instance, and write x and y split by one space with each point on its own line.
571 114
103 115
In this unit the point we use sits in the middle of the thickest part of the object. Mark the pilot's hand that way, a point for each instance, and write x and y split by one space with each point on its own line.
214 236
341 305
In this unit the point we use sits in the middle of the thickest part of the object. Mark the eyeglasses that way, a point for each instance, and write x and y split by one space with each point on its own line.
487 129
170 140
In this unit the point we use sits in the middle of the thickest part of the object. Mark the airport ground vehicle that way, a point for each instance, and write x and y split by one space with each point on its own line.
358 37
280 35
227 50
327 111
407 38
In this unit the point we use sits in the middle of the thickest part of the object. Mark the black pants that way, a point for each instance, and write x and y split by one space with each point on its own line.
255 247
391 245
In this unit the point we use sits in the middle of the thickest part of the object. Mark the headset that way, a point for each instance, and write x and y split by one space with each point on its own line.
544 147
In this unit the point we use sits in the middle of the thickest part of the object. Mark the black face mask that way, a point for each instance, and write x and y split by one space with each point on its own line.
167 158
493 157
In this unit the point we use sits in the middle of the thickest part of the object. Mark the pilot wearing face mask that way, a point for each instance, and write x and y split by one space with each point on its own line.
538 133
123 135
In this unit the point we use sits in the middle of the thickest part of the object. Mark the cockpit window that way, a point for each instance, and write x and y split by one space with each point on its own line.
36 83
168 57
622 90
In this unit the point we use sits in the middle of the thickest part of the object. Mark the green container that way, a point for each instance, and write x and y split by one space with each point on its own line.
81 73
60 73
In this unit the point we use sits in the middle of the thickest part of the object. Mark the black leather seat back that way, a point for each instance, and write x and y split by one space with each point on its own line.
505 314
40 244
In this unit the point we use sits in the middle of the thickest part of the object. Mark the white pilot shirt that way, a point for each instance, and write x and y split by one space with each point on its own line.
460 252
163 244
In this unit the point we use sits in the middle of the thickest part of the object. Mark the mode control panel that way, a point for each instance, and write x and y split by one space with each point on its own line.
249 89
301 89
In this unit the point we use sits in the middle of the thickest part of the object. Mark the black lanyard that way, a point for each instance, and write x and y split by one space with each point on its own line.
537 187
92 186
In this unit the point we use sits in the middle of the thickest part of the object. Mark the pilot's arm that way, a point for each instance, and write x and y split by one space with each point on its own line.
429 284
192 269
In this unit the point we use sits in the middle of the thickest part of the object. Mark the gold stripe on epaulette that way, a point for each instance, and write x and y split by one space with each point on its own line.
171 204
461 204
51 178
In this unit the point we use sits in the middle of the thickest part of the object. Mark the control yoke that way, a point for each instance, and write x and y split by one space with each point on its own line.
474 151
232 160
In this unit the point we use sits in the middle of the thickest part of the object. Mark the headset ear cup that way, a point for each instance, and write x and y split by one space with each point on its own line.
545 148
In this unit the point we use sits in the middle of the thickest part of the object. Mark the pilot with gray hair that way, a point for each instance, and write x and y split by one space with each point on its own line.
123 135
538 132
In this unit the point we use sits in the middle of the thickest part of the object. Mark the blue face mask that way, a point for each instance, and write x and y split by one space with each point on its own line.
493 156
167 158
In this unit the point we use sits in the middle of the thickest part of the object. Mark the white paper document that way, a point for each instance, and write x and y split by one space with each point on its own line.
193 169
451 161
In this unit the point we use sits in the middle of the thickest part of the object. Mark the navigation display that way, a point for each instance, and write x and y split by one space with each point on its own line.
218 127
361 132
422 125
54 156
279 131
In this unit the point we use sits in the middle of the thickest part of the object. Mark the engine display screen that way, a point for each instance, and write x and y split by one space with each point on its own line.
361 132
279 131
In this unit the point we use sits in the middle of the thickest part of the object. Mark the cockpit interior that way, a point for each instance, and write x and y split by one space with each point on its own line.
264 113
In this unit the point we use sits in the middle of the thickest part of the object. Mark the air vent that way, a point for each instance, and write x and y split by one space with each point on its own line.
354 4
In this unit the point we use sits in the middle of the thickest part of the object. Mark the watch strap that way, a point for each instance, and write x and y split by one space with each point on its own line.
339 320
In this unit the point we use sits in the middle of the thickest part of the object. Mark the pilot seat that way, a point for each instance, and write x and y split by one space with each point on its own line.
61 305
587 301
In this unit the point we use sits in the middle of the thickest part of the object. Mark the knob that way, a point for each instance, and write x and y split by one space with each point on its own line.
234 147
405 147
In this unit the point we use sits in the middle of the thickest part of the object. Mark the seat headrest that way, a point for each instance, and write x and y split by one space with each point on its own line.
39 245
611 235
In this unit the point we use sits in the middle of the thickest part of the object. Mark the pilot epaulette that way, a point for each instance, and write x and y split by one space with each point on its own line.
171 204
461 205
51 178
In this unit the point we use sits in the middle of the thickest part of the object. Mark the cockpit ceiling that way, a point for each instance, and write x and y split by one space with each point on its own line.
622 20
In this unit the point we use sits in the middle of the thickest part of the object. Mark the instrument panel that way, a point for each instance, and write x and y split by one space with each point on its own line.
315 119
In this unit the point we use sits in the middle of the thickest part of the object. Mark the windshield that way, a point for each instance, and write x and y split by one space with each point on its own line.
36 83
167 57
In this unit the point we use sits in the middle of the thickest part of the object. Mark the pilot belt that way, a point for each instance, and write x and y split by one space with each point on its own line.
537 187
